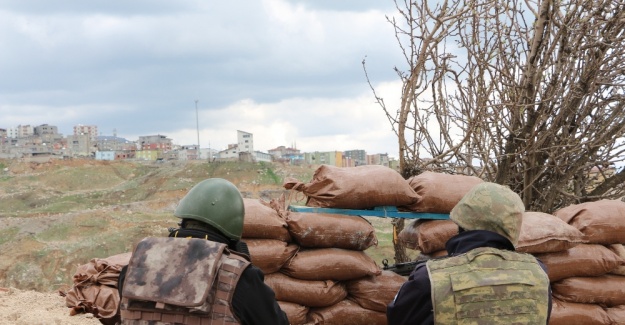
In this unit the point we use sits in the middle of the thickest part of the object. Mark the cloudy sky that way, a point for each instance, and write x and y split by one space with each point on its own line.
290 72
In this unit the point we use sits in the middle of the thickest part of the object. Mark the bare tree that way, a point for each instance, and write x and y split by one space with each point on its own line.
529 94
526 94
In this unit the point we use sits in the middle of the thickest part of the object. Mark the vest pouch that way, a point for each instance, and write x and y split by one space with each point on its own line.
174 274
494 294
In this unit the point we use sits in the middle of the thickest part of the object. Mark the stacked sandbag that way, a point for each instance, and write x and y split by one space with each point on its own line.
266 235
94 288
588 280
331 255
361 187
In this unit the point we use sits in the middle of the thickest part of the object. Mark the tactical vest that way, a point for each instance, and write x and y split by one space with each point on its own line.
181 281
489 286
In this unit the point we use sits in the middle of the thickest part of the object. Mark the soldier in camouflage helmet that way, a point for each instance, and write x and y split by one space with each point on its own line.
201 273
483 280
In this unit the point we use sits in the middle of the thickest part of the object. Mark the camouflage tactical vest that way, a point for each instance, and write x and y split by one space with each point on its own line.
181 281
489 286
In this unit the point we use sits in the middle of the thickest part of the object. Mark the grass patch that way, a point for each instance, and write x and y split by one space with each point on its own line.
8 234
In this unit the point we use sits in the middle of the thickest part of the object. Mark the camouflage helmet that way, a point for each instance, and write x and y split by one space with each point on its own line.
492 207
217 202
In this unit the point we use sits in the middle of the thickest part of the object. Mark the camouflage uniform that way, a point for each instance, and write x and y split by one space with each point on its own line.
484 281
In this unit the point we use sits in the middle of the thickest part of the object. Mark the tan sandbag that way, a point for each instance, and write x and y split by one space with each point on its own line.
602 222
546 233
619 250
263 222
294 312
322 230
608 290
438 192
95 287
346 312
428 236
617 314
580 260
330 264
375 292
568 313
359 187
308 293
270 255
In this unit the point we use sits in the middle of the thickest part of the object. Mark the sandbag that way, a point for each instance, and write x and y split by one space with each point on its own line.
322 230
359 187
308 293
546 233
346 312
568 313
270 255
581 260
428 236
330 264
602 222
616 314
95 288
375 292
294 312
438 192
619 250
607 290
263 222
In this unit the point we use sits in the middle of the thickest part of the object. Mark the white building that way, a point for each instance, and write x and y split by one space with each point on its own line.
245 141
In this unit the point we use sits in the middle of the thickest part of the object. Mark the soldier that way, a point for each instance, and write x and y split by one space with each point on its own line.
483 280
200 274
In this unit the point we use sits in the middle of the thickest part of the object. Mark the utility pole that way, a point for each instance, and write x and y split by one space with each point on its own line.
197 125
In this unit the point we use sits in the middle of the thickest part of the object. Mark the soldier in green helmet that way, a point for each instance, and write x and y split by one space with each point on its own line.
200 274
483 280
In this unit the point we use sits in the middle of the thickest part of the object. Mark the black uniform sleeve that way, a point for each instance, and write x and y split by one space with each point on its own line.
413 302
254 302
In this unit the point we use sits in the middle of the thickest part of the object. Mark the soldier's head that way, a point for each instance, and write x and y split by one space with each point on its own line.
217 203
492 207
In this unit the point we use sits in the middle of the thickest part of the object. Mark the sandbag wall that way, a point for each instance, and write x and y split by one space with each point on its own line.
581 245
319 272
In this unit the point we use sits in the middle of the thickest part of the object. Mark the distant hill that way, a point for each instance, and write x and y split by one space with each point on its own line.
57 215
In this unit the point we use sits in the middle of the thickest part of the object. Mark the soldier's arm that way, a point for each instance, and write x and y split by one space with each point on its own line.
254 302
413 303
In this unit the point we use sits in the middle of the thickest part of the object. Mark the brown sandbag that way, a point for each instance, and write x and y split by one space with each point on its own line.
375 292
438 192
346 312
95 287
607 290
617 314
428 236
294 312
619 250
270 255
359 187
546 233
323 230
602 222
308 293
263 222
330 264
569 313
581 260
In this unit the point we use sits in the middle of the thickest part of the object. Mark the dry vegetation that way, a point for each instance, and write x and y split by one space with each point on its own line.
58 215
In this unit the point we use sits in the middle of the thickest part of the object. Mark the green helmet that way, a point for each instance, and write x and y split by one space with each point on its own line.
217 202
492 207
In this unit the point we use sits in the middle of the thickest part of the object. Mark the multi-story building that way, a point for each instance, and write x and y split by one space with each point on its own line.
334 158
21 131
358 157
245 141
45 129
91 130
378 159
155 142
